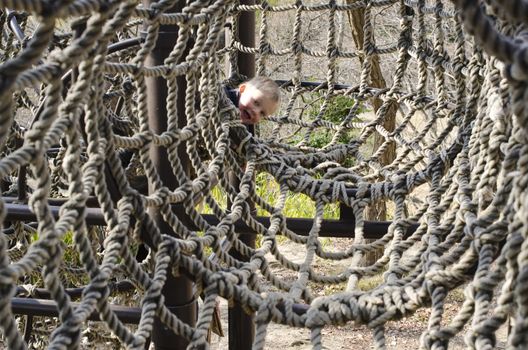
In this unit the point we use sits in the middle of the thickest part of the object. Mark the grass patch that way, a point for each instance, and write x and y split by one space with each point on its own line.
70 270
456 295
297 205
370 282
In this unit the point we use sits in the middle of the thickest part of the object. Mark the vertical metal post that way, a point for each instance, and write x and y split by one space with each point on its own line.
178 291
345 212
246 35
241 325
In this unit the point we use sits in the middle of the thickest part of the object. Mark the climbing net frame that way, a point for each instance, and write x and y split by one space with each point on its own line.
471 228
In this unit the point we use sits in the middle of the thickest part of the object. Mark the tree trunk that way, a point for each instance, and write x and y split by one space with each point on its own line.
376 211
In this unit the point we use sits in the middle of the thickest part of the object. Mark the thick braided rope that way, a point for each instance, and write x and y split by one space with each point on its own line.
461 132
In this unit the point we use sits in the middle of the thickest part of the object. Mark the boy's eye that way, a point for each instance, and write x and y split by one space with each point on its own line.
257 103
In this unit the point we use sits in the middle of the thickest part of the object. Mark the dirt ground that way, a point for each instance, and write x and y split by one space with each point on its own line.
400 335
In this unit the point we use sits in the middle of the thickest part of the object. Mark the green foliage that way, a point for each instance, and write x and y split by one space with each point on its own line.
70 259
336 111
297 205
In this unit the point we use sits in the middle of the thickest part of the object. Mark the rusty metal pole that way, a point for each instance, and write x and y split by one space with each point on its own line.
178 291
242 325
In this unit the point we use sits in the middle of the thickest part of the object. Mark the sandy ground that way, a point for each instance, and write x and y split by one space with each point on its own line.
400 335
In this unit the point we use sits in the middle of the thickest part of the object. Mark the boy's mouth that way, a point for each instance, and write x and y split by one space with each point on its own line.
245 115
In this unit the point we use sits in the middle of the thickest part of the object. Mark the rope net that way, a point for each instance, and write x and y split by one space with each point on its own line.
76 80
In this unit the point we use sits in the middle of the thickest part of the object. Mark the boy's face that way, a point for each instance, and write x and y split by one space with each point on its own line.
254 104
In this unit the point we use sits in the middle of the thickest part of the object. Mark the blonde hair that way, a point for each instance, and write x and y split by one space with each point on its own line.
266 85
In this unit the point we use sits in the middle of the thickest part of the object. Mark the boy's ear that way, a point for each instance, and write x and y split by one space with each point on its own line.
242 87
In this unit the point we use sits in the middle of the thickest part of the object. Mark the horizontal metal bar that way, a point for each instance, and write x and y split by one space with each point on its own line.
126 314
298 309
301 226
48 308
329 228
21 212
312 85
75 293
91 201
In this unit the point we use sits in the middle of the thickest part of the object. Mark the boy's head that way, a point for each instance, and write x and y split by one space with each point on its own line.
259 97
